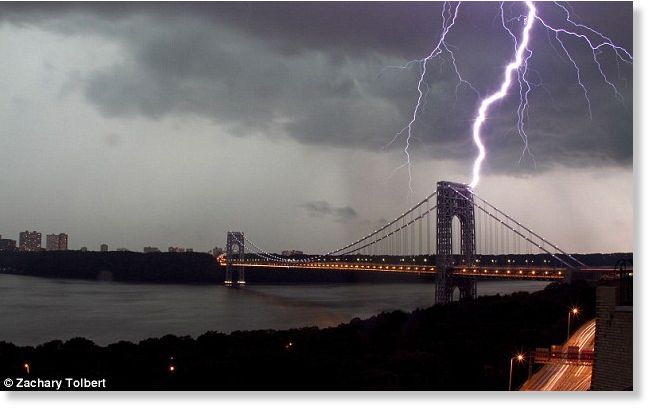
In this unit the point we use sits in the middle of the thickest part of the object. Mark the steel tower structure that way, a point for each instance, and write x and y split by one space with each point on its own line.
454 200
235 246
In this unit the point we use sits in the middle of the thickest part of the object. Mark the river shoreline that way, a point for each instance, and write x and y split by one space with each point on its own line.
459 346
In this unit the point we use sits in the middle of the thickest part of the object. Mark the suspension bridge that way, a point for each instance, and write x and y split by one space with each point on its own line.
452 234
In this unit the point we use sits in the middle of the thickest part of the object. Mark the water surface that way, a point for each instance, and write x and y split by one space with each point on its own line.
35 310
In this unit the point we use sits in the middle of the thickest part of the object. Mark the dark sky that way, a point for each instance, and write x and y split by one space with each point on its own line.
169 123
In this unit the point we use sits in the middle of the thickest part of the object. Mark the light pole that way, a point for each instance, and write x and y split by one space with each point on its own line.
573 311
519 358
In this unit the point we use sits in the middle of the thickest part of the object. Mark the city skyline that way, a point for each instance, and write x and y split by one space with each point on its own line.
164 130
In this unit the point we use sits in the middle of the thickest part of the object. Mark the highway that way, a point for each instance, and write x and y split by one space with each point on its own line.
566 377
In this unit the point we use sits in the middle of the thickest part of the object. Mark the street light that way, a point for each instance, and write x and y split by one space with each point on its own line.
519 358
26 365
573 311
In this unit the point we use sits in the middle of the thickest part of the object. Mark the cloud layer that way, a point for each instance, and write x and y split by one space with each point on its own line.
320 74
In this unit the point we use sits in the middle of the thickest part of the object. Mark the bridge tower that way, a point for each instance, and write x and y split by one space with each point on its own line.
450 204
235 247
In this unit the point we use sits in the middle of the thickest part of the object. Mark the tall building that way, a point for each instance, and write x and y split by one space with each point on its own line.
103 247
8 245
56 242
30 241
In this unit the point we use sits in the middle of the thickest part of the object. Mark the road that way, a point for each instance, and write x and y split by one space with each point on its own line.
564 377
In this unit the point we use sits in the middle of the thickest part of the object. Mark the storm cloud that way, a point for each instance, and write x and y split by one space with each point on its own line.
324 74
324 208
167 124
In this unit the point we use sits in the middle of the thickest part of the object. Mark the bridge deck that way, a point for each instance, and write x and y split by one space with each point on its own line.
522 272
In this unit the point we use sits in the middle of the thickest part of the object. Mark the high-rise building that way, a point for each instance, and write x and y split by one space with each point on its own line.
30 241
103 247
56 242
7 245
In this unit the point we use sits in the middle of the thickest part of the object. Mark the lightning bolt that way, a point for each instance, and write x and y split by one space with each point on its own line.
449 16
594 39
488 101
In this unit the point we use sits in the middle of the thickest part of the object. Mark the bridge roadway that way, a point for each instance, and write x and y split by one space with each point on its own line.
495 272
565 376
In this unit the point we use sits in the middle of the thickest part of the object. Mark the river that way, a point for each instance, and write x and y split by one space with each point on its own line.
35 310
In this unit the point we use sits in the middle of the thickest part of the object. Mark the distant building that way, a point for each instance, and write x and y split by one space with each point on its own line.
84 249
176 249
148 250
7 245
103 247
217 251
291 252
189 250
56 242
123 250
30 241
